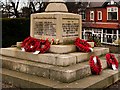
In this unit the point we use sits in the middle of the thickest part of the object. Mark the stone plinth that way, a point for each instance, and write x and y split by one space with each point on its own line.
58 25
60 49
51 58
76 66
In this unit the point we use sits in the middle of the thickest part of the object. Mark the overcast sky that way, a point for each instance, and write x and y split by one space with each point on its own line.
24 2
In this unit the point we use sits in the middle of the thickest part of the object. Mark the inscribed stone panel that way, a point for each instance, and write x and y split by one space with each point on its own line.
70 28
46 27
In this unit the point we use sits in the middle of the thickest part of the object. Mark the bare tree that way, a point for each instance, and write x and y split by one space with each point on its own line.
76 7
14 6
5 9
26 12
37 5
9 8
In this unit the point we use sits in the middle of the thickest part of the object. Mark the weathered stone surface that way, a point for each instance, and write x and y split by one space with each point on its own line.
22 80
105 50
80 57
62 48
91 43
85 71
98 51
104 63
63 74
26 80
18 44
56 25
65 60
70 73
48 58
26 66
56 7
53 59
107 78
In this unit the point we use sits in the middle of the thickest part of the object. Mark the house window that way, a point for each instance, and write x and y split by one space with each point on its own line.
83 15
109 36
99 15
92 15
112 13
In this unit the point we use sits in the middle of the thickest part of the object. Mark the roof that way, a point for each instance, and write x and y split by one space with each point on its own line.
100 3
96 4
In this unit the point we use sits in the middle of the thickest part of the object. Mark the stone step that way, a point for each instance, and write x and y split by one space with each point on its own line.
23 80
63 74
60 49
53 59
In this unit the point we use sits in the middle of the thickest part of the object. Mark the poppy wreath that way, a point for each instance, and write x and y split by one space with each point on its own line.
82 45
96 67
44 46
31 44
111 60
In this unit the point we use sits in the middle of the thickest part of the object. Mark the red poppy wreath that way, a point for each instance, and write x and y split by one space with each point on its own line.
44 46
95 65
112 62
37 46
82 45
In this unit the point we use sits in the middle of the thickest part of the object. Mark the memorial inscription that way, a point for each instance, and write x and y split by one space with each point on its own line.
45 28
70 28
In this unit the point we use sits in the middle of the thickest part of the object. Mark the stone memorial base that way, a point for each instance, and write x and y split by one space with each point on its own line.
60 49
53 70
62 67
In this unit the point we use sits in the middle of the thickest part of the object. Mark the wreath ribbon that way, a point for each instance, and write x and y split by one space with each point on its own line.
37 46
95 65
112 62
82 45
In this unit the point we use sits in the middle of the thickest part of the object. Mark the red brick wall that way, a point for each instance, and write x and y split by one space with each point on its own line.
104 14
119 15
104 17
112 48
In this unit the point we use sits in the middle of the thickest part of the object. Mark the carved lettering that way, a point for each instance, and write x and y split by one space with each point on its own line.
70 29
45 28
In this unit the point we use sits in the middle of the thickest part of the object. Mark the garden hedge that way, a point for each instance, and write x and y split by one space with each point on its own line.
14 30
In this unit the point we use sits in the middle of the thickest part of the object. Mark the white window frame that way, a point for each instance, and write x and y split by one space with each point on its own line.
110 34
109 10
84 14
92 19
100 15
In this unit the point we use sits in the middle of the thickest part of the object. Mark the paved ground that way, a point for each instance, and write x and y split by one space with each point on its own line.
115 86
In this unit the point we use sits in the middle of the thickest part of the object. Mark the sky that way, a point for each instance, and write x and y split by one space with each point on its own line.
25 2
21 4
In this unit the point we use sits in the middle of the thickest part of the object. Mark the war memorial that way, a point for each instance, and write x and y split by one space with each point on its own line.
60 64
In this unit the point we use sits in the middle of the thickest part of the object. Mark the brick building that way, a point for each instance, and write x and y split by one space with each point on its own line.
102 20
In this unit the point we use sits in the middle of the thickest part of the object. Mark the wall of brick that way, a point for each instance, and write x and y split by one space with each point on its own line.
113 48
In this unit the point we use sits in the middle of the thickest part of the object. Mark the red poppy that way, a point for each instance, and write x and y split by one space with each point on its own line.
111 60
96 68
31 44
82 45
